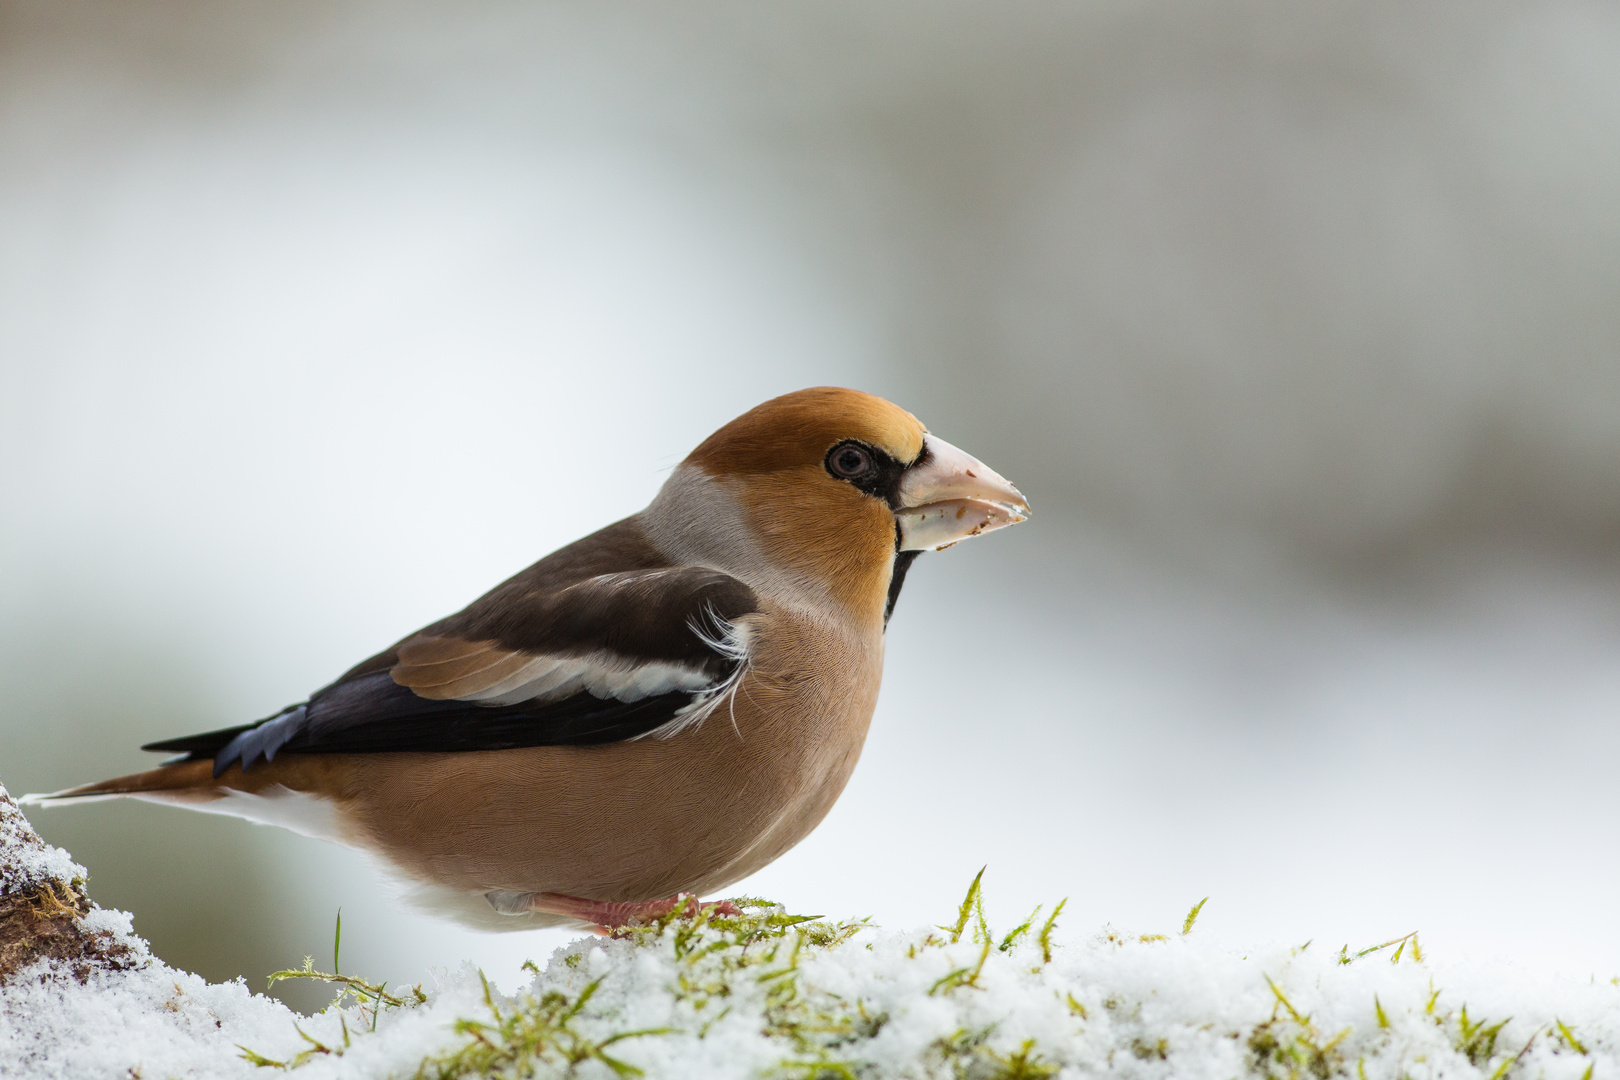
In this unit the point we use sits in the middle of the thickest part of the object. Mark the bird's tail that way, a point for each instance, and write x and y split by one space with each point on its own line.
182 782
289 794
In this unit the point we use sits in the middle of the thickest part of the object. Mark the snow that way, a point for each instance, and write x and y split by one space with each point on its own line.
26 861
768 994
883 1002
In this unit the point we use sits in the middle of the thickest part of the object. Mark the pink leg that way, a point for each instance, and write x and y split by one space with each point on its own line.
610 915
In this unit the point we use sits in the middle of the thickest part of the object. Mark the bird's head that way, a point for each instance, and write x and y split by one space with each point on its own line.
834 483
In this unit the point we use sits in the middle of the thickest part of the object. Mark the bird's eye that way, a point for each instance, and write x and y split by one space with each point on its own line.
849 461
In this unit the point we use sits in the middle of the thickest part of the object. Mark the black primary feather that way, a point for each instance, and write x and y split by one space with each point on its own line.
375 715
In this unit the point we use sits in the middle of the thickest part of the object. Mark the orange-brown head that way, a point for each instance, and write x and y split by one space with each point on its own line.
796 430
833 484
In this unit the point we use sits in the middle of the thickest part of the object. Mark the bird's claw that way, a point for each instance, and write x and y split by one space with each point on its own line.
607 916
658 909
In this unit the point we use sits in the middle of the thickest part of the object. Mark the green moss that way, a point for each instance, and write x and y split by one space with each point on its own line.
717 957
972 908
1477 1040
1017 933
1400 943
1192 917
1569 1038
370 1000
530 1039
1289 1047
1158 1049
1046 931
754 965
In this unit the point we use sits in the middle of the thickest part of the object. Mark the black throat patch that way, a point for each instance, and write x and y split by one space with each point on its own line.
897 578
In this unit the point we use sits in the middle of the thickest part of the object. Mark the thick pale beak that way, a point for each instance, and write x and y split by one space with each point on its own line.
952 495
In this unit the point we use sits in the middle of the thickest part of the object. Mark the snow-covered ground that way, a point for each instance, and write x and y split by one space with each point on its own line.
768 995
884 1003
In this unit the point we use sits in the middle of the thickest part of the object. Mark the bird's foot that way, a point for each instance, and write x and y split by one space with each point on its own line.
607 915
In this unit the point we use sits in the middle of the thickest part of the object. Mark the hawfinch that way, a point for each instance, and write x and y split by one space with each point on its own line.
657 710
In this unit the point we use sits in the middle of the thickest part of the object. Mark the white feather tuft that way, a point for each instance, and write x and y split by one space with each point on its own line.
730 640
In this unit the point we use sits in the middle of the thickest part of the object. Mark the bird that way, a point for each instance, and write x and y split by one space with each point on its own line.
643 717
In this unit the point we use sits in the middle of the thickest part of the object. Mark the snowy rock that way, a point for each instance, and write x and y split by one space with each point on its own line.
82 996
45 915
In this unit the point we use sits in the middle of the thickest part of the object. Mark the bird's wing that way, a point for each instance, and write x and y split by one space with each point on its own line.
611 657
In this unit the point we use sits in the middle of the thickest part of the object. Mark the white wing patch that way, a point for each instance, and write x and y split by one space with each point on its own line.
601 674
485 673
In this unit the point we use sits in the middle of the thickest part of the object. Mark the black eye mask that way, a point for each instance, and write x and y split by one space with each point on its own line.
869 469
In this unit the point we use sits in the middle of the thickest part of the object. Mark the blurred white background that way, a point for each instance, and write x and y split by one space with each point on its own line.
1300 326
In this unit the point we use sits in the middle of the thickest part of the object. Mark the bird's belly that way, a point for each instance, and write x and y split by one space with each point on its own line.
627 821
